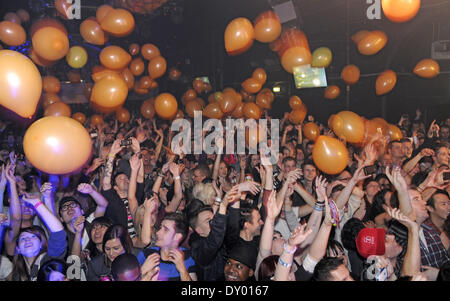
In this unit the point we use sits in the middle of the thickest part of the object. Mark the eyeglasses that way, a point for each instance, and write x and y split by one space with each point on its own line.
66 207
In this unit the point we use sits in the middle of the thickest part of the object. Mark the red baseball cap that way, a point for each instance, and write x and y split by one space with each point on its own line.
371 241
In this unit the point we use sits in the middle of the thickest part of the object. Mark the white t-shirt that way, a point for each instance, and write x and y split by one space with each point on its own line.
6 268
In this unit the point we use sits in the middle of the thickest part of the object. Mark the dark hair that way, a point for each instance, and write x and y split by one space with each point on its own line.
181 224
20 272
367 181
121 233
377 204
193 209
104 221
267 268
437 147
116 175
54 265
245 216
68 199
204 169
405 140
286 159
447 226
122 263
323 269
332 245
444 272
419 178
337 188
394 200
431 201
349 233
308 162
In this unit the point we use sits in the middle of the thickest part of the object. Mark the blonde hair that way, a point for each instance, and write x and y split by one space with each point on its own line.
204 192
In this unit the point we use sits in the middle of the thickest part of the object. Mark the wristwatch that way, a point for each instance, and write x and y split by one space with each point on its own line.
218 200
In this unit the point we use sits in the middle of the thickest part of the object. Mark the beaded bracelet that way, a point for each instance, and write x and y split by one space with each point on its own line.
286 265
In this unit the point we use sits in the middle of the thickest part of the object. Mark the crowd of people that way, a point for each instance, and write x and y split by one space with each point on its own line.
138 212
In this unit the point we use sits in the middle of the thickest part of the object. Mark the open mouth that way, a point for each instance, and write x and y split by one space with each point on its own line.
231 277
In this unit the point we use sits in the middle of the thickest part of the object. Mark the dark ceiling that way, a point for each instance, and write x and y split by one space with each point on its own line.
193 41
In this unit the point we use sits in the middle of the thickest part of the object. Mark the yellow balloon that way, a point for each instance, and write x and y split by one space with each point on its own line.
57 145
321 57
77 57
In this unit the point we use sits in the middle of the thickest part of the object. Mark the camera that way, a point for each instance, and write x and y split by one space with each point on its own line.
125 142
370 170
447 176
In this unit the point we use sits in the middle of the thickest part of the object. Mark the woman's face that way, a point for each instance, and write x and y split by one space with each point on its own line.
223 170
113 248
29 244
277 244
97 232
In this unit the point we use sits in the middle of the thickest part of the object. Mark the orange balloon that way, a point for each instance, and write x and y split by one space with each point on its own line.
311 131
110 92
263 100
154 85
295 102
252 111
12 34
49 38
123 115
251 85
427 68
138 90
198 85
134 49
96 119
99 75
267 27
238 111
145 82
228 102
357 37
51 84
137 66
385 82
394 132
57 145
295 56
188 96
58 109
200 101
128 78
102 11
297 116
49 99
74 76
330 155
118 22
332 92
374 126
192 106
92 32
352 126
400 11
239 36
150 51
157 67
372 43
23 15
20 83
174 73
166 106
269 94
39 60
260 75
292 38
211 98
212 110
147 109
13 17
80 117
114 57
62 6
350 74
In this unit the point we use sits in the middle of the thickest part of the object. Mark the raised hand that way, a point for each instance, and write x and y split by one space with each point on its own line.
85 188
218 190
427 152
299 235
396 178
135 146
176 169
288 128
250 186
177 257
273 207
78 223
116 148
46 189
10 173
96 163
232 195
135 162
396 214
165 167
294 175
321 184
150 268
31 199
3 176
151 204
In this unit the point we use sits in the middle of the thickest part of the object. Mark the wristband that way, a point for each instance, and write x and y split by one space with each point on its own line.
37 205
287 251
281 262
111 156
218 200
176 178
318 208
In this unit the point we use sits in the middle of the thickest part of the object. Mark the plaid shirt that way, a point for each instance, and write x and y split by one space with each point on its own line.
433 253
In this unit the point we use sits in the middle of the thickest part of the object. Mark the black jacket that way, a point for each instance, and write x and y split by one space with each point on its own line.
208 252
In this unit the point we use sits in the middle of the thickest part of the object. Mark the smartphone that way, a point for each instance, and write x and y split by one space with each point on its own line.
382 275
447 176
370 170
125 142
94 135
